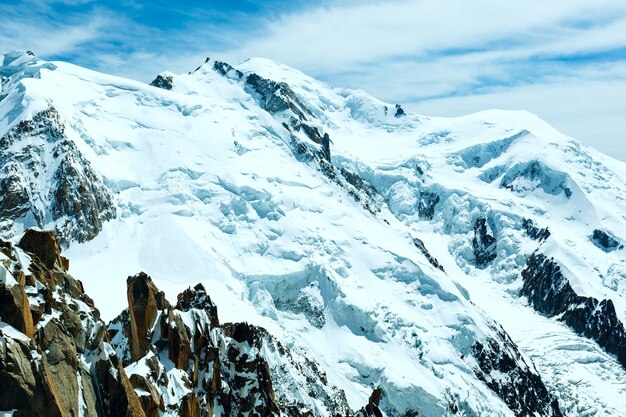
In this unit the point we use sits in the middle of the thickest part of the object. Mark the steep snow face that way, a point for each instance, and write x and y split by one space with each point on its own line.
348 229
484 192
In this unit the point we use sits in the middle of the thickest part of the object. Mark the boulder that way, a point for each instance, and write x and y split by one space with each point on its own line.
44 245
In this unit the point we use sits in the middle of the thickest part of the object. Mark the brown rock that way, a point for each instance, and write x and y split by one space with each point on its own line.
143 304
179 347
116 392
372 407
92 406
15 309
197 297
65 263
60 353
150 403
44 245
6 248
27 383
189 406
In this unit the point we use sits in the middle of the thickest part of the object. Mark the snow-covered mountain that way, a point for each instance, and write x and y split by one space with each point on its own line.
466 266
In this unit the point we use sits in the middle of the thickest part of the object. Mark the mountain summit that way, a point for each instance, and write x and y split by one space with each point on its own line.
362 257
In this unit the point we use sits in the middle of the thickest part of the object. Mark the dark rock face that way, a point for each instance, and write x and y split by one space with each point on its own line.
399 111
534 175
326 147
483 243
276 97
426 205
44 245
419 244
227 69
605 241
72 195
534 232
520 387
372 407
164 82
549 292
15 309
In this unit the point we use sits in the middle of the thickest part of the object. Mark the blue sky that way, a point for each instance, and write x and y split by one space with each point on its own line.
564 60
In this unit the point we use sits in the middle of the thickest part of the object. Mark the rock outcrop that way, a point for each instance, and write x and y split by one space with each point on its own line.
520 387
605 241
278 99
483 243
372 408
215 369
55 359
534 232
399 111
165 82
549 292
75 201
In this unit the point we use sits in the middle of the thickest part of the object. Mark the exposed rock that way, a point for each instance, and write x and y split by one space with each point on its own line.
179 347
520 387
221 369
326 147
15 309
116 392
198 298
189 406
426 205
549 292
605 241
143 302
150 398
164 82
227 69
534 232
419 244
44 245
276 97
60 352
71 195
372 407
50 374
26 381
483 243
399 111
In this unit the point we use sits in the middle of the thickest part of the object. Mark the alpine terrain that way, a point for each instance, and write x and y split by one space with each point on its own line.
248 241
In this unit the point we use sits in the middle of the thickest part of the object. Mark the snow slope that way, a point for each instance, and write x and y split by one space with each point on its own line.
209 187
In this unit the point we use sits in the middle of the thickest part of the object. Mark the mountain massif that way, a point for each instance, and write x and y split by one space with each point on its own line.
364 260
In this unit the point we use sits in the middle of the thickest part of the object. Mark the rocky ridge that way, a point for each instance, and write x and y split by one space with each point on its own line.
75 201
58 358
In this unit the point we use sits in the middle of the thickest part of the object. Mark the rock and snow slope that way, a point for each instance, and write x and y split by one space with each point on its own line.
385 245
